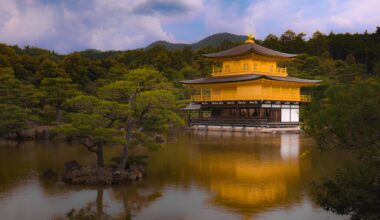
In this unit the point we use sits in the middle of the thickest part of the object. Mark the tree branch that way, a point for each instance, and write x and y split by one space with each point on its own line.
143 113
90 147
110 123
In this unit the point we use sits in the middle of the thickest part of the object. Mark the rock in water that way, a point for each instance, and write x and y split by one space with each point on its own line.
76 174
48 174
89 176
71 165
159 139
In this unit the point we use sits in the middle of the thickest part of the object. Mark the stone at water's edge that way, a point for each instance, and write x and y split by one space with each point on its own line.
72 164
76 174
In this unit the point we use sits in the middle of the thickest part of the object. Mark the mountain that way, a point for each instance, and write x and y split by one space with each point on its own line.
213 40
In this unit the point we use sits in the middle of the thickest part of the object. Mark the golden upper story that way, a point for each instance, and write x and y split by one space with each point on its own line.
248 58
251 64
249 72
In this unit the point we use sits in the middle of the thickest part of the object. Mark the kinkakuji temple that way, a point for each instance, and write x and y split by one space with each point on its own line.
247 88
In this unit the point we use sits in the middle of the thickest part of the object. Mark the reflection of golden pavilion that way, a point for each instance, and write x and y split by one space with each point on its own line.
246 185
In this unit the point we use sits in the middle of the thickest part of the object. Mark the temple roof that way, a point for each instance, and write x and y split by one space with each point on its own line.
249 48
247 77
192 107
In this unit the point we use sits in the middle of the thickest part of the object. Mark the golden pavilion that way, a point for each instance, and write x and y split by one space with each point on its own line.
247 88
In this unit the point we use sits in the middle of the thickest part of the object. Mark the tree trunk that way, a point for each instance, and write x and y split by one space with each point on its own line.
19 136
99 203
58 114
124 157
99 156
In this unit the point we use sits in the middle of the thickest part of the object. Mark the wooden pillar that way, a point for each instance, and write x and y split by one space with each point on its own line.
201 94
261 112
237 111
188 118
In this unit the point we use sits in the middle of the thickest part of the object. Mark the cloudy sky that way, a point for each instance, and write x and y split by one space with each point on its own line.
69 25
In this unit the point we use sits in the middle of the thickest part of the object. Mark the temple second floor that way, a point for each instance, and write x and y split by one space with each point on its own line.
250 87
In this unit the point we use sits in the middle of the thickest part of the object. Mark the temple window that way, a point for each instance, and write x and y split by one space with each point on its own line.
227 68
255 66
245 67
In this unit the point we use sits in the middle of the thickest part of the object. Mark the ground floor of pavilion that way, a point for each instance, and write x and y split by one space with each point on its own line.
244 113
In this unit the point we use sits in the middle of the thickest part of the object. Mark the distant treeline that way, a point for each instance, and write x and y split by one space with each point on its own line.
365 48
334 58
88 68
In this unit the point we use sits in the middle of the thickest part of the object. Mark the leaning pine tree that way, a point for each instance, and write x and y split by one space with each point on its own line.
91 123
151 101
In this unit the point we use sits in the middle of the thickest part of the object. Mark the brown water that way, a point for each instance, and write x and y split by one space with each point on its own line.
194 176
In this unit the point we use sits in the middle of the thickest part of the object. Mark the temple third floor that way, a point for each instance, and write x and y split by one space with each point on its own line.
248 66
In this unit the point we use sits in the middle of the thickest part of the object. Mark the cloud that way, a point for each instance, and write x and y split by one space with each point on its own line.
68 25
276 16
166 7
347 16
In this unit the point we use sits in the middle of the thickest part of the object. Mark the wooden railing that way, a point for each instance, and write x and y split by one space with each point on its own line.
205 98
200 98
229 121
305 98
259 70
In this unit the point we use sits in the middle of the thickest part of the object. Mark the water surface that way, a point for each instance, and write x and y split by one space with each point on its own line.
200 175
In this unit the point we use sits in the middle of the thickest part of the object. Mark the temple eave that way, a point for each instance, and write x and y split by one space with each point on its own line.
248 77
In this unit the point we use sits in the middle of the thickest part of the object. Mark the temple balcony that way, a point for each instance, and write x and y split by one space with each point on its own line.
265 70
274 97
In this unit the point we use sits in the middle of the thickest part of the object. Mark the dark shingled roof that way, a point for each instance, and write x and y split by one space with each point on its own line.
249 48
247 77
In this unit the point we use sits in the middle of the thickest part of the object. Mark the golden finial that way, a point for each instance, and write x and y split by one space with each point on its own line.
250 39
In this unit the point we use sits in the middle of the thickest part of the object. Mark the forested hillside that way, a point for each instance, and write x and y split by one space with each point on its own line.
27 73
214 40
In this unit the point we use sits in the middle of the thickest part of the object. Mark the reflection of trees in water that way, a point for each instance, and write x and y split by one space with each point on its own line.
91 211
133 197
21 160
244 175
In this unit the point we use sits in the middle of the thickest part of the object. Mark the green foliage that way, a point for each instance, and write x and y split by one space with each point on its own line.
78 69
149 96
327 69
91 104
16 92
13 119
93 128
49 69
355 190
92 123
55 91
93 119
348 116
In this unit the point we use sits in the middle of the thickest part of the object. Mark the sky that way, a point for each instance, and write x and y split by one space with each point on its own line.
71 25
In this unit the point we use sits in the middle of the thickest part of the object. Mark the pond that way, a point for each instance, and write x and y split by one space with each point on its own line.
196 175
